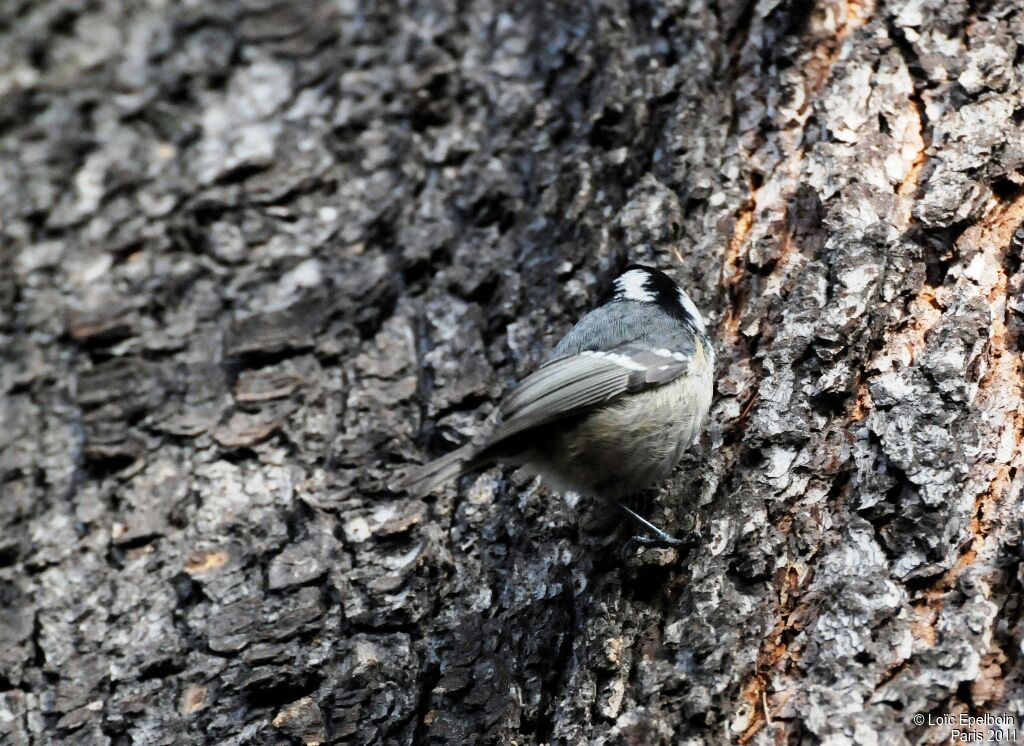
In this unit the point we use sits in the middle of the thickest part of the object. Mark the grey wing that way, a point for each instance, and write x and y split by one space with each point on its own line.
569 385
624 324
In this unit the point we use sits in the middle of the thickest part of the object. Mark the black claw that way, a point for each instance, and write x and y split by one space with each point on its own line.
660 538
694 539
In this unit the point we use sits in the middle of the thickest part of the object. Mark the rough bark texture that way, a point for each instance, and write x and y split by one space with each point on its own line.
257 255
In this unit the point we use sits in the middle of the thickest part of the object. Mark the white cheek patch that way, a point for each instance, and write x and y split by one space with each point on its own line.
686 303
633 286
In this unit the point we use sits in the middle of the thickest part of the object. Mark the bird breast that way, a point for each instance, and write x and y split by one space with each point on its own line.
628 444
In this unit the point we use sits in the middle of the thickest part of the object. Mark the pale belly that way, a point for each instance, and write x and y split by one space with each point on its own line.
627 445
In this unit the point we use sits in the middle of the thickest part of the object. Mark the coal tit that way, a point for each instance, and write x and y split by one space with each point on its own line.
613 409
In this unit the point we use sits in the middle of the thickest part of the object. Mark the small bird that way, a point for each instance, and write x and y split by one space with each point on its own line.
612 410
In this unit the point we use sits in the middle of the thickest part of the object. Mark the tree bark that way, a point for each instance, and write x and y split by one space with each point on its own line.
258 255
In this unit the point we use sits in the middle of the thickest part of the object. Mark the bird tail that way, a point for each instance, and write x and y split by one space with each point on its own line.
422 480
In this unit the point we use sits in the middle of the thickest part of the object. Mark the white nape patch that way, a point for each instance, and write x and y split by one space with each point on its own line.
685 302
633 286
624 360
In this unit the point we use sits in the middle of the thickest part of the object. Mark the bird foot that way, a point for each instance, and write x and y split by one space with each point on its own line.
660 537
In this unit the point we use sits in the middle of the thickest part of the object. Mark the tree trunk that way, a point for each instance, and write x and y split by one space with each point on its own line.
258 255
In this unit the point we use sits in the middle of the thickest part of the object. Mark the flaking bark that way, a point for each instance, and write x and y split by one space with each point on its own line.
258 255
